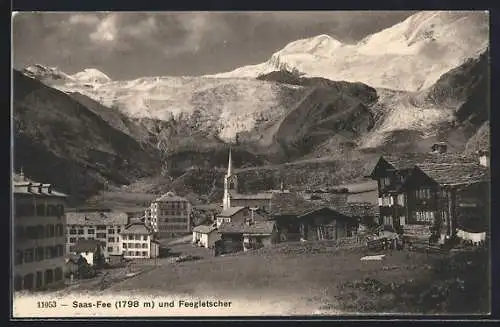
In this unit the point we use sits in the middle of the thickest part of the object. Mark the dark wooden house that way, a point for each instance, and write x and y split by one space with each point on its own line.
429 195
326 224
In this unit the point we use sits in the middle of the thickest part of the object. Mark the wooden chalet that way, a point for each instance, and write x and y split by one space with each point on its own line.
430 195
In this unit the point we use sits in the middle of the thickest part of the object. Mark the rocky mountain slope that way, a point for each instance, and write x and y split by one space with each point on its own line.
60 141
408 56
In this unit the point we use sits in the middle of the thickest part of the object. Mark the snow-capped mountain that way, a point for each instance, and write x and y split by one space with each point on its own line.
54 76
91 75
397 61
408 56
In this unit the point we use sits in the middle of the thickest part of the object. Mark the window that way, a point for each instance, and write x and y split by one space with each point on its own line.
101 235
388 220
51 210
111 231
137 253
59 250
72 239
423 194
40 210
424 216
40 231
101 227
144 245
144 237
110 249
137 237
91 231
59 230
60 210
50 231
19 258
111 239
72 231
39 254
124 245
48 252
401 199
402 220
81 231
144 254
72 248
28 255
49 276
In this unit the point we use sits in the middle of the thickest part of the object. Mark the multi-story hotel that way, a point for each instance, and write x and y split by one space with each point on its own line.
138 242
38 235
172 215
150 221
102 226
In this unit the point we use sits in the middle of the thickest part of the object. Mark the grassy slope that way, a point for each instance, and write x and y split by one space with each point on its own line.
326 280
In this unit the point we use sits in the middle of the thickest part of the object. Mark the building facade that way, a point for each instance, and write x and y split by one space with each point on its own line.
205 236
138 242
171 214
39 225
430 195
102 226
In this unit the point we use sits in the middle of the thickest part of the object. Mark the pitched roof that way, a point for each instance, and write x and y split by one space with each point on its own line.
231 211
170 196
136 228
359 209
410 160
204 229
290 204
456 174
83 245
96 218
256 228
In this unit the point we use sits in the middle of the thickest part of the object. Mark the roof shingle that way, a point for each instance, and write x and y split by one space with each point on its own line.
96 218
256 228
455 174
290 204
410 160
204 229
231 211
137 229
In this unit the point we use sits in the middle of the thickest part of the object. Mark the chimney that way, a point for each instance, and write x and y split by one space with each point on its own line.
484 158
439 147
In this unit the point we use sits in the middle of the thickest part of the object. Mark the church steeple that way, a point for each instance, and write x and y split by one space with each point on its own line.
230 163
230 182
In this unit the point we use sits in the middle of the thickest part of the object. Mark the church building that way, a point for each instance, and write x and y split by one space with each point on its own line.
232 198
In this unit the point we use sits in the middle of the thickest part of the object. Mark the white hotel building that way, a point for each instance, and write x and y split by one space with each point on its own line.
138 242
102 226
169 214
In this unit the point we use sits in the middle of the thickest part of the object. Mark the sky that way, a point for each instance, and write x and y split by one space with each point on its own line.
127 45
